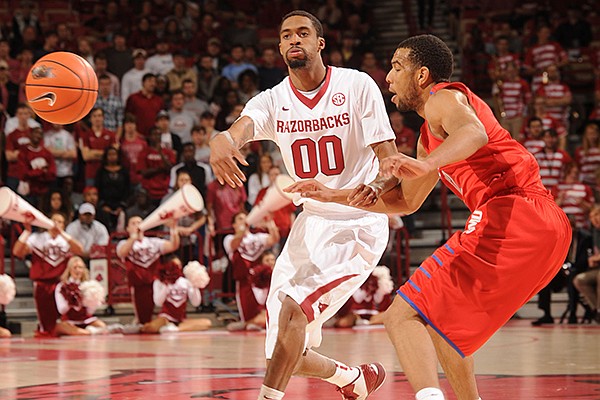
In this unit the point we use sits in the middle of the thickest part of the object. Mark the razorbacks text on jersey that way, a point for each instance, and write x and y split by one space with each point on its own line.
325 134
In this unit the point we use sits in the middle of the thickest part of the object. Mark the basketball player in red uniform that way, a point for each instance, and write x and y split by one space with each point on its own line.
474 283
50 251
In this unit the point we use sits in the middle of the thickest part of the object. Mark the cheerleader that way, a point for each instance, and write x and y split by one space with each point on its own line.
7 294
77 297
172 291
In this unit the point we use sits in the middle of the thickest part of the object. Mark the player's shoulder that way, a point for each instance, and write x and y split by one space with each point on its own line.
348 75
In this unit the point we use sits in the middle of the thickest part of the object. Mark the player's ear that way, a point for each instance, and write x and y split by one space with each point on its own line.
321 43
423 77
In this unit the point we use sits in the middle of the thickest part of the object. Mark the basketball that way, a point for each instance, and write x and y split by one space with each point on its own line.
61 87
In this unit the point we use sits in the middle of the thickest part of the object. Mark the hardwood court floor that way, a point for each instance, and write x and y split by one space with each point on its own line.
519 362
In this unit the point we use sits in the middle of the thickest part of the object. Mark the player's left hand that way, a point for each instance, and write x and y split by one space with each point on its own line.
223 156
405 167
312 189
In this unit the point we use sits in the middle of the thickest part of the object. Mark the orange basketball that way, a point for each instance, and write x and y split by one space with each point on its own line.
61 87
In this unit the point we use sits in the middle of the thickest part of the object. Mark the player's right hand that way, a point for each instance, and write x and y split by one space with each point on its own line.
313 189
223 156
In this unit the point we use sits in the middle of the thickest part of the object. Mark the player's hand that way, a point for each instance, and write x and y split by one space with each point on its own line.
312 189
405 167
364 195
223 156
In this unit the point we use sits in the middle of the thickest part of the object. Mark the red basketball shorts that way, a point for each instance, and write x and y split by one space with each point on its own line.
511 247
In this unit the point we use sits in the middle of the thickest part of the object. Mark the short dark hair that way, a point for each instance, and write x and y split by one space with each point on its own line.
533 119
552 132
315 21
431 52
148 76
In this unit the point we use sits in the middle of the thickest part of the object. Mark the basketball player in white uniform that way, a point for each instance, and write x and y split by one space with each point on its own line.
331 125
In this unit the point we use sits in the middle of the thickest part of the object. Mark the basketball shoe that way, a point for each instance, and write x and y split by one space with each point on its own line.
370 378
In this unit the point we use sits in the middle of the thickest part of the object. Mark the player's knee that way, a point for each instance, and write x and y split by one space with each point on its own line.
400 311
291 319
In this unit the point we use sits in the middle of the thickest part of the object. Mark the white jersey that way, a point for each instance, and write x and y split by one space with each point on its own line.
327 136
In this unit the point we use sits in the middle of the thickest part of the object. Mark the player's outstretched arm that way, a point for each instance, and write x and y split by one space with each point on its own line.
224 151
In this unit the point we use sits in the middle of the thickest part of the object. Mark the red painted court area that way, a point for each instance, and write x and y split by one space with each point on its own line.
520 362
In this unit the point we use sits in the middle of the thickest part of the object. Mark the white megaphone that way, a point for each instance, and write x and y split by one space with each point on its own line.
14 207
275 199
185 201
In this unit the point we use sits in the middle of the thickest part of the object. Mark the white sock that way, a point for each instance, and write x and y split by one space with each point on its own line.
343 374
429 393
267 393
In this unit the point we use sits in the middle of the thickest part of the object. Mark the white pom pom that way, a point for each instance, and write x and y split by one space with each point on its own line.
220 265
7 289
385 284
196 273
93 294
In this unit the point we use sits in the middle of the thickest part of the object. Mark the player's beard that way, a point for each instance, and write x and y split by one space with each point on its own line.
410 99
296 63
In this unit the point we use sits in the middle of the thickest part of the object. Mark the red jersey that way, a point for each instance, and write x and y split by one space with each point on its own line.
143 260
572 194
515 96
37 167
500 166
132 150
157 185
49 256
15 141
554 91
145 110
96 142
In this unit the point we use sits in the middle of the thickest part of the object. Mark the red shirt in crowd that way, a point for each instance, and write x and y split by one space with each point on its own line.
157 185
15 141
145 110
37 167
132 150
89 139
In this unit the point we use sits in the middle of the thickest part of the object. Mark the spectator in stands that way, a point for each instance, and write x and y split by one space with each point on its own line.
181 120
145 104
588 282
119 56
237 65
155 163
50 45
36 169
539 110
114 188
84 49
87 230
143 36
5 55
189 225
239 33
511 97
551 159
25 59
247 85
285 216
213 49
132 145
132 80
141 255
23 18
587 155
260 179
269 73
575 33
111 105
65 38
92 143
371 67
533 140
251 55
228 113
330 14
557 95
74 198
180 72
168 139
208 28
501 58
243 249
222 203
9 91
199 172
351 55
573 196
208 122
141 205
201 147
183 16
76 318
171 291
50 250
335 57
541 55
61 144
16 138
162 60
101 67
208 78
406 139
192 103
172 34
55 201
